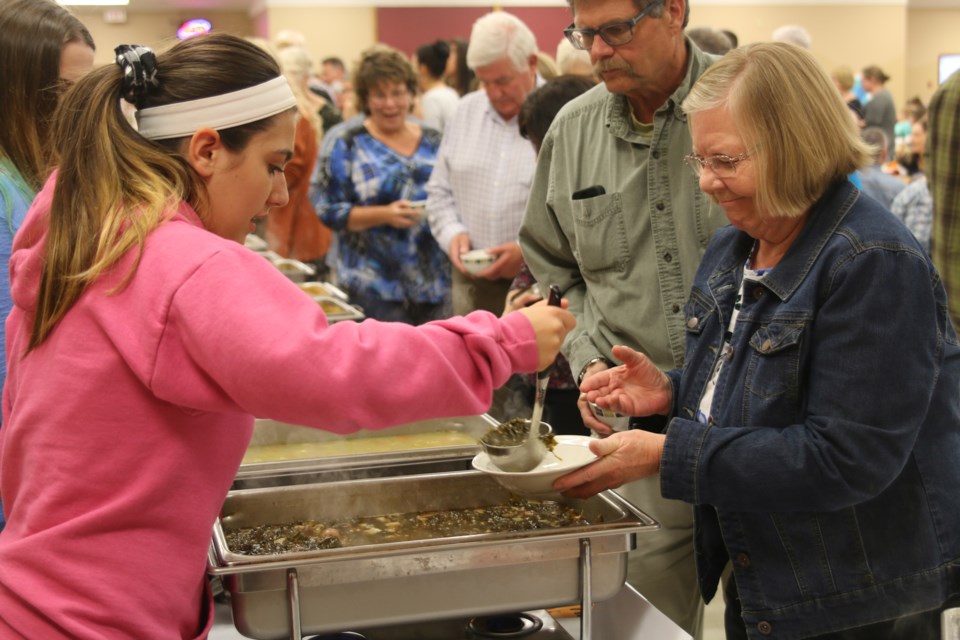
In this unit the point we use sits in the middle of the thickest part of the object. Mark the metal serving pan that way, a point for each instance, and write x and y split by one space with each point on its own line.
389 451
338 310
316 288
294 269
404 582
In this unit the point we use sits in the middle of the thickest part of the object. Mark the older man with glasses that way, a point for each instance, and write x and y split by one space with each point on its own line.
617 219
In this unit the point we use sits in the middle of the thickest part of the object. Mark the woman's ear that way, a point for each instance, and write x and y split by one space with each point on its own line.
204 150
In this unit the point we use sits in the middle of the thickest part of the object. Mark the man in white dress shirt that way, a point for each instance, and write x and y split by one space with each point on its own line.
478 191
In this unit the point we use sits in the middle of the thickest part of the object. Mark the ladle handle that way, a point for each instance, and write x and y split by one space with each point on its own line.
553 299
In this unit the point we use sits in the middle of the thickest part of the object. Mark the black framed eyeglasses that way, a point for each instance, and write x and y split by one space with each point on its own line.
723 166
615 34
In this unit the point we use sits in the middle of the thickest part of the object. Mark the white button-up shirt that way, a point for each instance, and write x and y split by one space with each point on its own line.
482 178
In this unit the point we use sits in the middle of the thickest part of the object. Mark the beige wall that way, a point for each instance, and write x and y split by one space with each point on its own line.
904 42
855 36
330 31
930 32
157 30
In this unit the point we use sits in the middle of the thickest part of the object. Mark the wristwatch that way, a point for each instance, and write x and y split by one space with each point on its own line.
590 362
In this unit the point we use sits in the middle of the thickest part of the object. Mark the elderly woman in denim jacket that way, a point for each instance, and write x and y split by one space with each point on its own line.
815 425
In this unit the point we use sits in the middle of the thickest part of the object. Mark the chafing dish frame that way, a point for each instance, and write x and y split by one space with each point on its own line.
257 474
549 567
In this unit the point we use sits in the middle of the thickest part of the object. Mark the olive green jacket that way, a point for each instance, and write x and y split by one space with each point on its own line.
625 259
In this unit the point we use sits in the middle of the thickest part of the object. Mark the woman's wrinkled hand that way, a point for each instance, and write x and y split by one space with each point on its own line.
623 457
551 324
635 388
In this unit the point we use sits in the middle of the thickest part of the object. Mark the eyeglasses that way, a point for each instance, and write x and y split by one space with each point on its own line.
398 96
723 166
615 34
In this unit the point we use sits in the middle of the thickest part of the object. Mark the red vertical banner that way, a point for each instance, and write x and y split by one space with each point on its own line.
409 27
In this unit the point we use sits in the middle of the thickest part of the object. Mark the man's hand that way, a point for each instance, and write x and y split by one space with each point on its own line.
508 263
460 244
635 388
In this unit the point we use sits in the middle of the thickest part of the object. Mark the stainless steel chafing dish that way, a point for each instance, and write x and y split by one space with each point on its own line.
313 288
293 269
338 310
403 582
389 454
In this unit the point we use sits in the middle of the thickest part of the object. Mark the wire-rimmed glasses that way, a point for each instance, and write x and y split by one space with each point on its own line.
615 34
722 165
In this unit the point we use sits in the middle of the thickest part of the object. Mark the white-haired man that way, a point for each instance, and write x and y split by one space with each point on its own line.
618 221
478 189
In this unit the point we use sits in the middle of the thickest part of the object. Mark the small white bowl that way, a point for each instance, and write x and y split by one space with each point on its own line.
571 453
614 420
477 260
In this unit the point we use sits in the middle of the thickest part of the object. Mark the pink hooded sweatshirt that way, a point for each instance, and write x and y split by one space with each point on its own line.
123 430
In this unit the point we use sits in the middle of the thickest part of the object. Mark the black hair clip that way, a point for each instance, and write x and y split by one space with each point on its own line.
139 65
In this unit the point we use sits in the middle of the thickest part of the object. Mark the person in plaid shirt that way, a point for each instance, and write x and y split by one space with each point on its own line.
943 177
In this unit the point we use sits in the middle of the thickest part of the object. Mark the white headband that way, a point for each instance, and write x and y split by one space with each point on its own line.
182 119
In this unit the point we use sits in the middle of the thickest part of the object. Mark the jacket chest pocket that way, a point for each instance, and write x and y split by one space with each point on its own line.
601 234
774 367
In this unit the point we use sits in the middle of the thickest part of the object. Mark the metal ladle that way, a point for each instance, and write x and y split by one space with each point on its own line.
527 454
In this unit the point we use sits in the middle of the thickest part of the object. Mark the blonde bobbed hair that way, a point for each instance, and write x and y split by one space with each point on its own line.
792 120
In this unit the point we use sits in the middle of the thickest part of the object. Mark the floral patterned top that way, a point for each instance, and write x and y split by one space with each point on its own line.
393 264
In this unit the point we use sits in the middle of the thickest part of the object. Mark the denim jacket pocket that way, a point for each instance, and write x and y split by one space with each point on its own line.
601 233
774 368
695 313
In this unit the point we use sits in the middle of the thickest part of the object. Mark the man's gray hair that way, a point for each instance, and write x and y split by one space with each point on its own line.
497 35
710 40
656 13
792 34
877 139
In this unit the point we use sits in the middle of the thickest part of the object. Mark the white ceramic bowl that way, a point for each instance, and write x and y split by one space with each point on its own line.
477 260
571 452
614 420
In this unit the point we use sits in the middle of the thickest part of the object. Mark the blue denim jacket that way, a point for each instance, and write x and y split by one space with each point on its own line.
830 473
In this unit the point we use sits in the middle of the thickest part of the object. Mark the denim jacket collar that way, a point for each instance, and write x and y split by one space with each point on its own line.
826 215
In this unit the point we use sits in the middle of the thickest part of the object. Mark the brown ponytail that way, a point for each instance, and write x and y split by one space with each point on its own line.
114 187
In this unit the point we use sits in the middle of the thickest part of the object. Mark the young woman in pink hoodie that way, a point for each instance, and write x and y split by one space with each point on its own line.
145 337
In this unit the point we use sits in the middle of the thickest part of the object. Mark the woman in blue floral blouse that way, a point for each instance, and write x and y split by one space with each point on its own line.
370 185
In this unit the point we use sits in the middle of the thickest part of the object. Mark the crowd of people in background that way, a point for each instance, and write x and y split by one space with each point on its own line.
403 162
